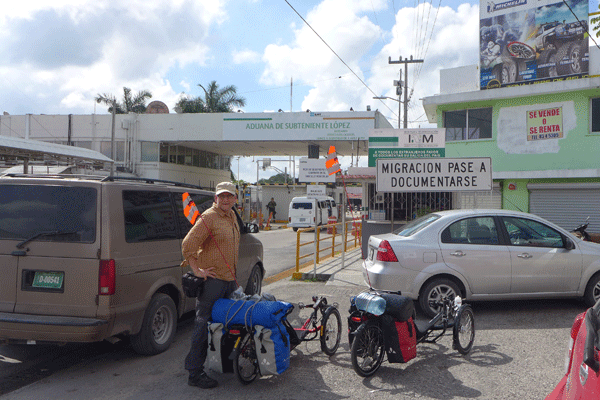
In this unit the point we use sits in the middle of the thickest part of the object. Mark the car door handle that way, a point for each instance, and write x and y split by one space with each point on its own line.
524 255
457 253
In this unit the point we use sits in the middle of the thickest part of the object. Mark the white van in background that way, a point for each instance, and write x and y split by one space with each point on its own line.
305 212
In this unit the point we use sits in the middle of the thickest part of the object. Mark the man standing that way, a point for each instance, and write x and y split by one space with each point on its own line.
271 207
211 249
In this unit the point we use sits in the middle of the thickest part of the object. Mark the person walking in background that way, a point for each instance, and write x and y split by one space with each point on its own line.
271 207
211 249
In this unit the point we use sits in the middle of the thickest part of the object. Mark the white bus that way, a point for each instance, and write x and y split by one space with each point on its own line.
307 212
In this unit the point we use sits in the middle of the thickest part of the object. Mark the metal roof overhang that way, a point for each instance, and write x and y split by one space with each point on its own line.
35 150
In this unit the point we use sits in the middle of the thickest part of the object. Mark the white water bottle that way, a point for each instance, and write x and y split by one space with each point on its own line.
370 303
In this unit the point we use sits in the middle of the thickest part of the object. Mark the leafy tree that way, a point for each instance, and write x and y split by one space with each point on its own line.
131 103
215 100
596 20
279 178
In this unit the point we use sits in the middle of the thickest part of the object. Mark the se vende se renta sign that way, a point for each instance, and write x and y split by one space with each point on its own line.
434 175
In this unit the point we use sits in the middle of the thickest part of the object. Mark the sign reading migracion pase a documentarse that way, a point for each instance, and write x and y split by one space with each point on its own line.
434 175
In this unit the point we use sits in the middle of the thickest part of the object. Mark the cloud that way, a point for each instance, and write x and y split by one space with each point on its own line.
425 32
245 56
75 50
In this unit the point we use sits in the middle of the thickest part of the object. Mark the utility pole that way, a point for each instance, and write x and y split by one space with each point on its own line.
406 61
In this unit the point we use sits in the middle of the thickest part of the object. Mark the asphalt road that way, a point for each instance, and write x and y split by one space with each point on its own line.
519 353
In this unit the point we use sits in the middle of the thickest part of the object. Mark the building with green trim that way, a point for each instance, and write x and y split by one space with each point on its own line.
543 138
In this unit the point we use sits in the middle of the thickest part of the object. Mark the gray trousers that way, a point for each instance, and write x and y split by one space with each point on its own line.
214 289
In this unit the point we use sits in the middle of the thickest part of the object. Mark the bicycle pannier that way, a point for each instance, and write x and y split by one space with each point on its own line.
220 346
400 338
272 349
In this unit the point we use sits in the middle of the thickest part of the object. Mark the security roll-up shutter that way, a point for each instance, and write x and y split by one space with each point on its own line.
568 205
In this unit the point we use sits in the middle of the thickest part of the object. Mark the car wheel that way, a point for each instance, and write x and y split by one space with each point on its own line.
158 326
433 292
592 291
254 284
561 55
295 229
509 72
575 54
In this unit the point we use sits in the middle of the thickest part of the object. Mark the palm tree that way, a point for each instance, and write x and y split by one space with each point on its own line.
136 104
215 100
596 20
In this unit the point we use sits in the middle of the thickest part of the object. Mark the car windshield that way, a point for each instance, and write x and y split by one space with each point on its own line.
416 225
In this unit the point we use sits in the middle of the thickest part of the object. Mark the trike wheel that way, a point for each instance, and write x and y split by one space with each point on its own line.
245 362
331 331
463 333
367 349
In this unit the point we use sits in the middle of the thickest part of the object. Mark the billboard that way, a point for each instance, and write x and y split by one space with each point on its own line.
525 41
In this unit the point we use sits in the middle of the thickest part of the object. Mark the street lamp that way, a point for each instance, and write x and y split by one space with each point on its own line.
391 98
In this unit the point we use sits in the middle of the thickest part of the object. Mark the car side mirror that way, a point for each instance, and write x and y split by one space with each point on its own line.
251 228
569 245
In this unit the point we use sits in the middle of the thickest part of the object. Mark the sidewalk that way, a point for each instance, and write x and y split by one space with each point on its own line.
334 272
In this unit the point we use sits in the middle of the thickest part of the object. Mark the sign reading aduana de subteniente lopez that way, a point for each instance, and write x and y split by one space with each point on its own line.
434 175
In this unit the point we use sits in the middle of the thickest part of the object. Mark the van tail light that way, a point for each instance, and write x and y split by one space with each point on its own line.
385 252
106 280
289 219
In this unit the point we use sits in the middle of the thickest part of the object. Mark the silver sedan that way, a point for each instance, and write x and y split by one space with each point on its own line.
483 255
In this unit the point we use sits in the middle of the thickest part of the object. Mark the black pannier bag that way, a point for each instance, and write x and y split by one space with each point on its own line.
192 285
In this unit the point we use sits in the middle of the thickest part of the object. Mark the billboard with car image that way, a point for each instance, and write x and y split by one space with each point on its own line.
523 42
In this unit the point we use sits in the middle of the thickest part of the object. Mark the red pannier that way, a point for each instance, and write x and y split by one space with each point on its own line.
400 338
399 333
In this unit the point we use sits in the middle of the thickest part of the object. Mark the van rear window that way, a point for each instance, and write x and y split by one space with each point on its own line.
302 206
55 213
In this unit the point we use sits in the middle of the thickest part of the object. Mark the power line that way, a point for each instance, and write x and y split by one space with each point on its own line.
580 24
340 58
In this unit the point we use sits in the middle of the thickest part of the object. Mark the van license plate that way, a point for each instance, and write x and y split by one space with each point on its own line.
302 219
48 280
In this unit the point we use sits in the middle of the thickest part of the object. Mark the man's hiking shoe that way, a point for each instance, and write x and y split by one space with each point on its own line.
202 380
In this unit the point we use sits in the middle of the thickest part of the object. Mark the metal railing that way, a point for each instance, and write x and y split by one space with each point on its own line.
348 237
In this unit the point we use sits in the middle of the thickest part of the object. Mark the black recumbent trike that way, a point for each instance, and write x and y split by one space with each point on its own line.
383 322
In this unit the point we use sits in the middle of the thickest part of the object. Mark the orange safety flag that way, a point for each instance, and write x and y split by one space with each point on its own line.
332 164
189 208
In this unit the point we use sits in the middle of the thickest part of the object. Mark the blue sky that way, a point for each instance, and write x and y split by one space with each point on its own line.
57 56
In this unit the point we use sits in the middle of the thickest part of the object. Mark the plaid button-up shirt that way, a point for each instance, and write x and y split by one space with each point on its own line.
199 244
